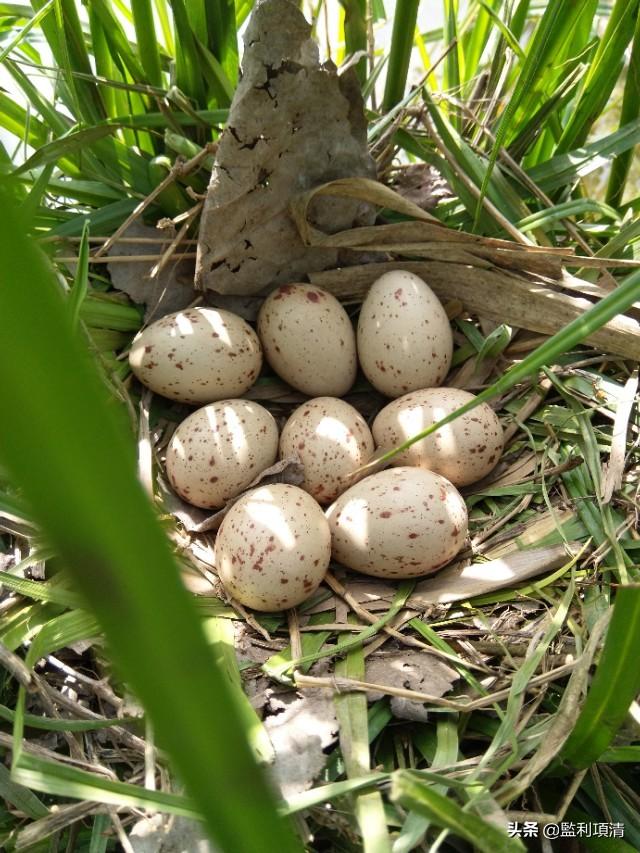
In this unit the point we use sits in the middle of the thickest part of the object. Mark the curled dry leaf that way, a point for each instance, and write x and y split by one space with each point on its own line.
526 302
411 670
460 582
197 520
293 124
172 290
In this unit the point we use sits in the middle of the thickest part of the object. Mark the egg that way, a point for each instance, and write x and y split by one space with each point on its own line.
273 548
332 440
463 451
399 523
217 451
197 356
308 340
404 337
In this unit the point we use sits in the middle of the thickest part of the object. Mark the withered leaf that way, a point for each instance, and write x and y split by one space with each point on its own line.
171 290
294 123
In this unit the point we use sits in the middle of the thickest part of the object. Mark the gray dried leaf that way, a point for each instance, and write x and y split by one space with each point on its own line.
172 290
411 670
168 834
293 124
300 728
460 582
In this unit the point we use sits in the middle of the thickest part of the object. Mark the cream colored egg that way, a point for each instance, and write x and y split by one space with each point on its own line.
332 440
308 340
404 336
273 548
399 523
463 451
197 356
219 450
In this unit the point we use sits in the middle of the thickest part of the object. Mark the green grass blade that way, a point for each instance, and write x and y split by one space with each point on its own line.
85 496
355 32
64 146
474 40
66 41
351 710
81 282
22 798
615 685
121 50
99 834
451 74
615 303
411 792
550 215
629 111
62 780
563 169
549 31
188 75
404 25
65 724
15 41
146 40
603 73
222 38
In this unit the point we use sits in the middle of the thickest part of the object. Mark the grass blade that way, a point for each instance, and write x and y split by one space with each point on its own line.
355 32
603 73
351 709
411 792
115 549
404 25
81 282
15 41
630 111
615 685
550 30
146 40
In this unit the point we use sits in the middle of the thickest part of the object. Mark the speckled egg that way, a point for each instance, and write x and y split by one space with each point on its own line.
197 356
399 523
332 440
219 450
308 340
404 336
273 548
463 451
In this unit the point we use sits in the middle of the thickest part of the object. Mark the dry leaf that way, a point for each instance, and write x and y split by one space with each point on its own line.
460 582
613 470
172 290
293 124
411 670
301 728
499 295
162 833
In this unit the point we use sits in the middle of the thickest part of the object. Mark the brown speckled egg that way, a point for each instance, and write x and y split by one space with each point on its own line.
273 548
399 523
197 356
404 336
218 450
463 451
332 440
308 340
